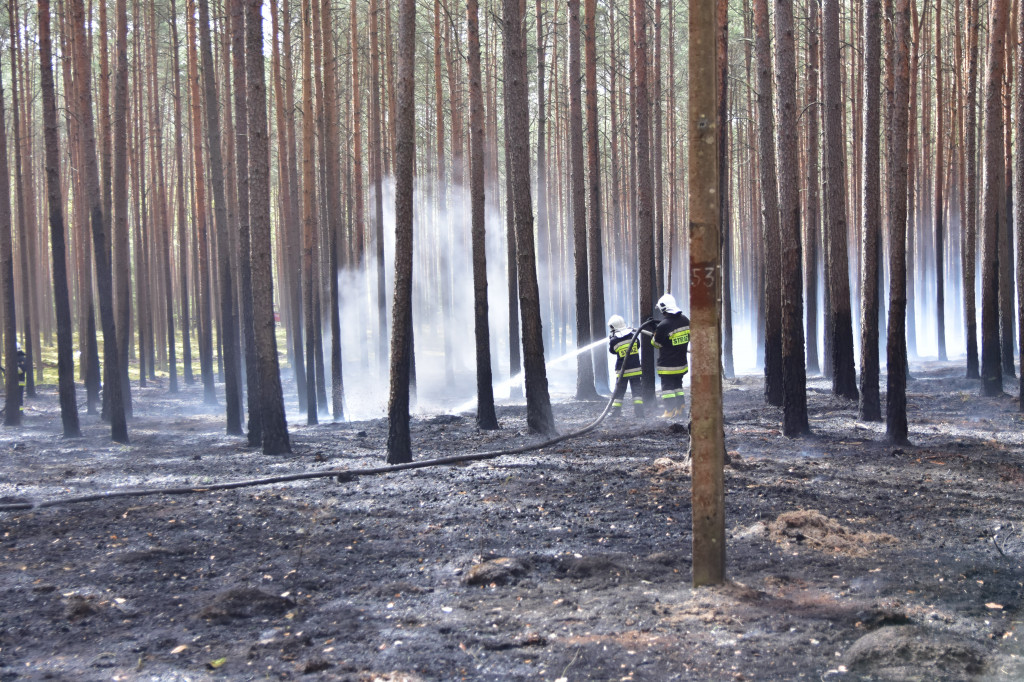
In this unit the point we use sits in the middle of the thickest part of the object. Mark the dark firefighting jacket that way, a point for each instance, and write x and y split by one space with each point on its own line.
671 338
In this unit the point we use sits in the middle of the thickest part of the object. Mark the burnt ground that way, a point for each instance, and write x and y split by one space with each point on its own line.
848 558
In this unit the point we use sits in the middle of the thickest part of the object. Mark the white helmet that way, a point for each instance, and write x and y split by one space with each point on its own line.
667 304
616 324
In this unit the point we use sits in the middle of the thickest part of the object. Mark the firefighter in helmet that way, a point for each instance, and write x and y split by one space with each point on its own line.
671 337
626 350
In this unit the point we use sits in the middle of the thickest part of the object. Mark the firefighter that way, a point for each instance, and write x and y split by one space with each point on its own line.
671 337
626 350
22 365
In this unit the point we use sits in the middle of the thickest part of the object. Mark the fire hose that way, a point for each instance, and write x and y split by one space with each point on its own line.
342 475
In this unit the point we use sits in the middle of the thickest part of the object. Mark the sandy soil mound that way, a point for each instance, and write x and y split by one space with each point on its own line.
812 528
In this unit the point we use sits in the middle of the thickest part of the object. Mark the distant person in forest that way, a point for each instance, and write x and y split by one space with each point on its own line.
671 337
22 364
626 350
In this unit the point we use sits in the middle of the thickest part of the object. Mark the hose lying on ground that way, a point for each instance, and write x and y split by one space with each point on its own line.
343 475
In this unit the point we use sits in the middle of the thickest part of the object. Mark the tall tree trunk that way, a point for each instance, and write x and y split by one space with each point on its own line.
794 377
645 190
116 413
252 377
199 213
275 427
937 211
119 226
870 408
896 202
584 361
12 391
539 417
971 172
183 236
724 190
65 360
595 258
399 445
334 226
1018 188
228 331
773 379
485 415
993 185
708 445
844 380
812 222
308 213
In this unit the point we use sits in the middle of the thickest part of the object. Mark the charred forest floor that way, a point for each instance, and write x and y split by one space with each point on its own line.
847 558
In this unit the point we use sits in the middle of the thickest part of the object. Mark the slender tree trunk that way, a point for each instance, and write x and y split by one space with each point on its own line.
334 226
539 417
794 377
871 215
812 223
584 361
937 211
199 212
183 236
971 172
708 444
844 380
724 190
308 213
993 184
485 414
228 331
399 444
645 190
1018 188
65 361
12 392
252 377
773 379
896 201
119 227
116 413
595 258
275 428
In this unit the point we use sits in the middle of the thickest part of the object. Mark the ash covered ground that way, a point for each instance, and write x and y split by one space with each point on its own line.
847 558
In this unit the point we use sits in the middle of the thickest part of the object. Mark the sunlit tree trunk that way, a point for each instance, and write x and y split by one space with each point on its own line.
119 225
376 180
